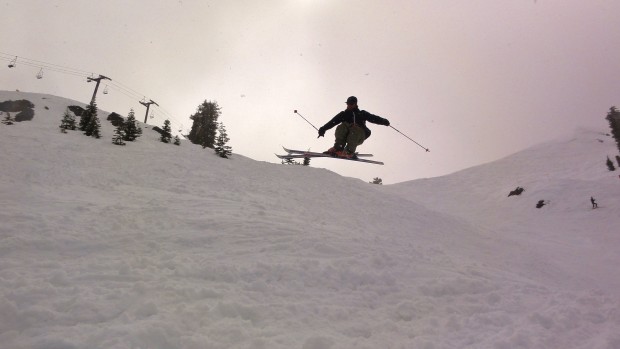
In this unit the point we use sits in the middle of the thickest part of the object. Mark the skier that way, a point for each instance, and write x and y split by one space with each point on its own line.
352 130
594 204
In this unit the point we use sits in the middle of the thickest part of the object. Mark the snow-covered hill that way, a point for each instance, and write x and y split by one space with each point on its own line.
567 232
151 245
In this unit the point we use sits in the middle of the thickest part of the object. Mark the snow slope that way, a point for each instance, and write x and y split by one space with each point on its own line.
151 245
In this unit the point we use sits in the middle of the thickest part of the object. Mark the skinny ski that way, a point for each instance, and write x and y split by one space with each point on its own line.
299 154
292 151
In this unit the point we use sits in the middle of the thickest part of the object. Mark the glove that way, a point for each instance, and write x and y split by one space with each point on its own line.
321 132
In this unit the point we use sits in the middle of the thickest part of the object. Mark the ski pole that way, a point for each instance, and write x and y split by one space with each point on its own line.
427 150
305 119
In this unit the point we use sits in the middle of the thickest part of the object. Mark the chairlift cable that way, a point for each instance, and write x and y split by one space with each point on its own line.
44 64
59 70
29 64
125 87
116 85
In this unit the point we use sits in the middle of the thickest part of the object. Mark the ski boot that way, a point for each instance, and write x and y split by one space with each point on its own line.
346 154
333 151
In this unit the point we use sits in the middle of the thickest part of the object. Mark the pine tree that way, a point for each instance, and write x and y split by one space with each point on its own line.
166 134
618 160
93 128
87 115
377 180
130 127
613 116
177 140
84 120
289 161
221 148
306 162
204 127
68 122
8 119
610 164
119 135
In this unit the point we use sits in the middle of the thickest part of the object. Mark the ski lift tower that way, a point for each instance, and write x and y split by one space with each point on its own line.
147 105
101 77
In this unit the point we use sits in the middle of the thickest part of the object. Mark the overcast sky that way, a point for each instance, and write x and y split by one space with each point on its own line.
471 80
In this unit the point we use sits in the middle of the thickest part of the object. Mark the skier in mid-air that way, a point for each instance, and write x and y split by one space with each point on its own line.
352 130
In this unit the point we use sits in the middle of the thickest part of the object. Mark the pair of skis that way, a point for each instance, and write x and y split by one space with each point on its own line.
300 154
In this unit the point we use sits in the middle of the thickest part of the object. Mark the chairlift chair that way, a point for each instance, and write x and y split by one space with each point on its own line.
40 74
105 90
13 62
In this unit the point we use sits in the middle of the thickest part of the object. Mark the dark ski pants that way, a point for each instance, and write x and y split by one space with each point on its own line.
349 136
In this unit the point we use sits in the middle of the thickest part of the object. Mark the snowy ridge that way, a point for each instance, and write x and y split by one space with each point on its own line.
151 245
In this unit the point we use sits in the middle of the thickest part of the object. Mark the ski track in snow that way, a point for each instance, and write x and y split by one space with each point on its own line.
156 246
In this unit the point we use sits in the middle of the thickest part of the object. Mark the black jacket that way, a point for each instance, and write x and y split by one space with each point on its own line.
356 116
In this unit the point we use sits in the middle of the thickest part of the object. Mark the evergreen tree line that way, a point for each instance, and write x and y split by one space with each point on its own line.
207 131
166 134
89 122
306 162
127 130
377 180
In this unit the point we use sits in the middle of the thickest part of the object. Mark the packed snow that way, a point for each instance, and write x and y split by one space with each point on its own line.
152 245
